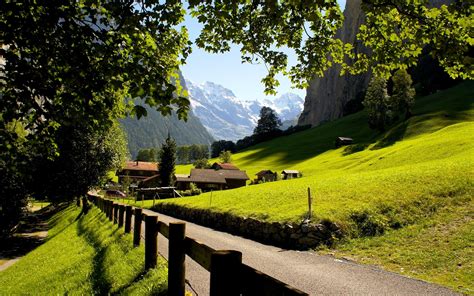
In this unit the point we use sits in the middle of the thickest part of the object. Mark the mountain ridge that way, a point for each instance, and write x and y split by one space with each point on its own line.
227 117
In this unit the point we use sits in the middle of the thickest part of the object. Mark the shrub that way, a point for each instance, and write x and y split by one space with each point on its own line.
369 223
202 163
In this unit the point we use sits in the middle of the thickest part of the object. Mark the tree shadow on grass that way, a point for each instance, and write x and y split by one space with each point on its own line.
100 284
89 227
395 134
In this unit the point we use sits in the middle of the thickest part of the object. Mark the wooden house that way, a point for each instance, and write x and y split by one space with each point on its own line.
137 171
343 141
290 174
266 176
210 179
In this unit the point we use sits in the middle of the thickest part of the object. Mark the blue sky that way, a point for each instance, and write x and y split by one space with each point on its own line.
226 69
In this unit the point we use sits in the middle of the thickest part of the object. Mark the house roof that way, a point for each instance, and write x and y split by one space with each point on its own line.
264 172
224 166
344 139
140 166
290 172
233 174
206 176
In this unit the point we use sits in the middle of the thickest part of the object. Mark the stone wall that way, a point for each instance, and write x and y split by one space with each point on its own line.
286 235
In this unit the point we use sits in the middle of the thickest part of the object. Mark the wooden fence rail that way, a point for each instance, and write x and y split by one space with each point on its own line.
229 276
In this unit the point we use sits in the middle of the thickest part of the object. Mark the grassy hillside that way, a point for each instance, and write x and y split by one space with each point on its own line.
428 157
404 197
83 256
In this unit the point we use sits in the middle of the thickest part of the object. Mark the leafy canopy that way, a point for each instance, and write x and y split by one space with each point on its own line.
395 33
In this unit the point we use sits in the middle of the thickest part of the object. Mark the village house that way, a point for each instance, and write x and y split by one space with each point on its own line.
211 179
137 171
290 174
266 176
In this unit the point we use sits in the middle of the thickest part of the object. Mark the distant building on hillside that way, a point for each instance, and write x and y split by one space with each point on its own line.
290 174
137 171
266 176
343 141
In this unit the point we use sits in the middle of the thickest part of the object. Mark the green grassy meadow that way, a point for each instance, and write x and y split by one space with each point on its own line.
84 255
404 198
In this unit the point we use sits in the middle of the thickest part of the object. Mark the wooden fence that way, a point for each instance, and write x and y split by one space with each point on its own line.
229 276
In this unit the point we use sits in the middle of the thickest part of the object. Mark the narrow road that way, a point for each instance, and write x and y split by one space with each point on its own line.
308 271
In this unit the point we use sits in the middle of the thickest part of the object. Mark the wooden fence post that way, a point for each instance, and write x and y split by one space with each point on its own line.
128 219
106 208
115 213
121 212
110 209
151 241
225 273
176 257
137 227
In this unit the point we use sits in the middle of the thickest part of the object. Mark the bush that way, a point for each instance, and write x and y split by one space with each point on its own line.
369 223
202 164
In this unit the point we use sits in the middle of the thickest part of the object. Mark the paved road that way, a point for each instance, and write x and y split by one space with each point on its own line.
307 271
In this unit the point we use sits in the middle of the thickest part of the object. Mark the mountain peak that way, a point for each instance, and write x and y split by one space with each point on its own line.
229 118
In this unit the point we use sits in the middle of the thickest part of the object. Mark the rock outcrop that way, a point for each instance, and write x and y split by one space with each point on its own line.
334 96
327 97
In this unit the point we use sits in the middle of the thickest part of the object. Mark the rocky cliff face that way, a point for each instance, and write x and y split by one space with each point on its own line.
333 96
327 97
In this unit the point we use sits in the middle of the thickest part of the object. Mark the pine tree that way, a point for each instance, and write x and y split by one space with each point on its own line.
166 167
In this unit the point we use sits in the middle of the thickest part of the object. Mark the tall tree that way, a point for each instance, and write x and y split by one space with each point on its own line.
86 157
268 122
166 167
403 94
378 104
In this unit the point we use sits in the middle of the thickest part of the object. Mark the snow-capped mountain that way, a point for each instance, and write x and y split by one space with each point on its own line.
229 118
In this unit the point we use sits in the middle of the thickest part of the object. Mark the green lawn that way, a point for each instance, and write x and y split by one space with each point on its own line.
83 256
412 186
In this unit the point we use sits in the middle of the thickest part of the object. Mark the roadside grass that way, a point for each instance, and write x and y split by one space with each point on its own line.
84 255
438 249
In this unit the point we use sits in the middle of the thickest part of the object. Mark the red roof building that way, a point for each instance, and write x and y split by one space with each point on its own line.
224 166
